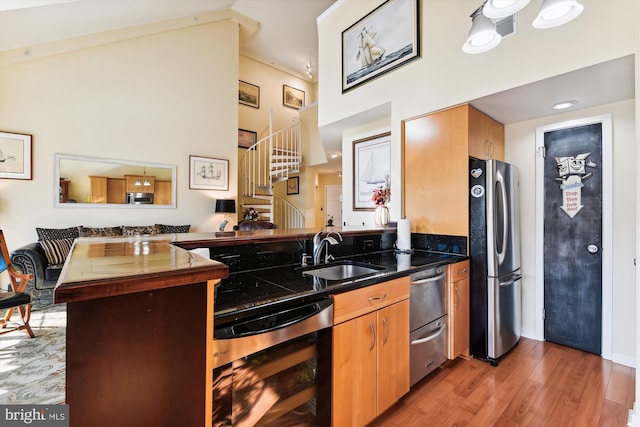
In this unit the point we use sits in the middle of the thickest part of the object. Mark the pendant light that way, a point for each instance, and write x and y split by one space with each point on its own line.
498 9
557 12
482 35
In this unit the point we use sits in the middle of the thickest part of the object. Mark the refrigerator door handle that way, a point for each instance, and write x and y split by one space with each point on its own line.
505 217
512 281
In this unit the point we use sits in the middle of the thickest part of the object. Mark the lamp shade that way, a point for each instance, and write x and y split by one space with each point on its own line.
225 206
557 12
482 35
498 9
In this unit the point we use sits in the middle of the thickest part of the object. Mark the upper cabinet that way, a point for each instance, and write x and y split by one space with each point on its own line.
437 147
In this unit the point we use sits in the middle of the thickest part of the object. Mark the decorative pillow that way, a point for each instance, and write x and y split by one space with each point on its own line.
56 251
57 233
99 231
139 230
174 228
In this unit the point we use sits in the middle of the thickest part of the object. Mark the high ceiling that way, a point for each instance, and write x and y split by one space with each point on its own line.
287 38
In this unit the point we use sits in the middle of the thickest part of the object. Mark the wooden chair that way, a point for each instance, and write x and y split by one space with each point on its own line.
16 298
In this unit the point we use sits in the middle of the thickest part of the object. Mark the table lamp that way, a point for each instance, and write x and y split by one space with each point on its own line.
225 206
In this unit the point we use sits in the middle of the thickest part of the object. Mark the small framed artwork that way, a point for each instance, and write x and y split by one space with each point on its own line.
246 138
292 97
248 94
371 167
206 173
383 40
293 185
15 155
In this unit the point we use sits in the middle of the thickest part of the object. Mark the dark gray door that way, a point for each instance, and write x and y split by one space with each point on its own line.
573 237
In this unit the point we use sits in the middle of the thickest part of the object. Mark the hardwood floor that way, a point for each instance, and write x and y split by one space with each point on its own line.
536 384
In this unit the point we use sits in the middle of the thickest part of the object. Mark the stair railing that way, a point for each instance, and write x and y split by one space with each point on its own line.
286 215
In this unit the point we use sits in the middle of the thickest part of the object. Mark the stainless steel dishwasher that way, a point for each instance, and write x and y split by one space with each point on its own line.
428 322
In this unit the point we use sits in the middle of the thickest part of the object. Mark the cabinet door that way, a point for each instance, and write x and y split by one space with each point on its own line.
354 371
98 189
486 136
393 354
116 190
436 172
458 309
162 195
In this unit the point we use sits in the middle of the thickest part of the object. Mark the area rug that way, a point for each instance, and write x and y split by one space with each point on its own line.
32 370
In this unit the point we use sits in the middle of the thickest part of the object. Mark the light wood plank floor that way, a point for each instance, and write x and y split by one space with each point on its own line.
536 384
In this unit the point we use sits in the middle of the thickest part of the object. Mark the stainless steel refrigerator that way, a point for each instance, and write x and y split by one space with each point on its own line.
494 247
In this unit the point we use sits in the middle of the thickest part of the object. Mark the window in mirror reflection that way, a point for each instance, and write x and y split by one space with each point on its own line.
90 181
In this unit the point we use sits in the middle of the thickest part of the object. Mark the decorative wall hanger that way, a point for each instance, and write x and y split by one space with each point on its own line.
572 171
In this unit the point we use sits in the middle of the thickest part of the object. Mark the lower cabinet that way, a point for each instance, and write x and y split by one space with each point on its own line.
458 309
370 352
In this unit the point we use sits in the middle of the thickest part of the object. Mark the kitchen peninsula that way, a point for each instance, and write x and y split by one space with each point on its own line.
141 310
139 332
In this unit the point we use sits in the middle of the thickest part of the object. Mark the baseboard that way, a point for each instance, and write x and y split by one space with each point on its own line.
634 417
529 334
624 360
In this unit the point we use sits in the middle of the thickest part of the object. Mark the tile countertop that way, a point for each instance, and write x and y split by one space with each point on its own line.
250 293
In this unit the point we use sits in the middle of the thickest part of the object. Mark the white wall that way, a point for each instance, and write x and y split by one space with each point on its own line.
445 77
520 150
159 97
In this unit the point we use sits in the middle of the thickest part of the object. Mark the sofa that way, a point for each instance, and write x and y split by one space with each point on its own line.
45 258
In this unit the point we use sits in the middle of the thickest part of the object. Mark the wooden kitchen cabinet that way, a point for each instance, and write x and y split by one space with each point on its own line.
486 136
116 190
98 186
458 309
437 147
370 351
162 194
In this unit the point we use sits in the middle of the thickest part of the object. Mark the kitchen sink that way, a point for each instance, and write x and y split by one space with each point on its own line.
342 270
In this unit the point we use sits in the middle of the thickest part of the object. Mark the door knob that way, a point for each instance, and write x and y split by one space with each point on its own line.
592 249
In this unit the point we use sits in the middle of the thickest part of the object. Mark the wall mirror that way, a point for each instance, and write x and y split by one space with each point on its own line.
95 182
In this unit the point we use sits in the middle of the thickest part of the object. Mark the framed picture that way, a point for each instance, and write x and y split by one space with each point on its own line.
206 173
371 167
292 97
15 155
293 185
246 138
386 38
248 94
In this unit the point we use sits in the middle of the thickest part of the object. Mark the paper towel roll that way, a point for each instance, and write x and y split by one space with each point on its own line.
404 261
404 235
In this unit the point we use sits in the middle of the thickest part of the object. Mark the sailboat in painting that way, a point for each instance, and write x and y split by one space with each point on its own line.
372 173
209 173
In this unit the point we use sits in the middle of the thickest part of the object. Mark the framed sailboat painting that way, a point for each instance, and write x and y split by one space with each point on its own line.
207 173
385 39
371 168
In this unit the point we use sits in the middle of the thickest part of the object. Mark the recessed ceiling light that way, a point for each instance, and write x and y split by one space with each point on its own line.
564 105
334 155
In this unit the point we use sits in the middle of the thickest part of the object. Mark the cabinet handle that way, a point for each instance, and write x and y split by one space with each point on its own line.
458 294
386 329
463 271
373 332
378 298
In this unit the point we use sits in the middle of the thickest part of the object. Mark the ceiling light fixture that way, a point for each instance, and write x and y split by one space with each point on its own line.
309 70
498 9
564 105
333 155
557 12
482 35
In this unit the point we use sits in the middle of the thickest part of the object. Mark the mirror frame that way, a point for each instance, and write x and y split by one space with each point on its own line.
56 183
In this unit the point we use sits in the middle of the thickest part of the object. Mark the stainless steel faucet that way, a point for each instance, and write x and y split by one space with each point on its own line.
318 243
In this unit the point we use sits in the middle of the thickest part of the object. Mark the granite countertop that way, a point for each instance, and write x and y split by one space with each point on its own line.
103 267
250 293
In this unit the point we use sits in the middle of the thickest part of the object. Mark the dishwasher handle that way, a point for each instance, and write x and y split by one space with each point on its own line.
430 337
427 280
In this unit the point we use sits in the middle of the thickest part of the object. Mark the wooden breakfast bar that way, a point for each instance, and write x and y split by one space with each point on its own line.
139 332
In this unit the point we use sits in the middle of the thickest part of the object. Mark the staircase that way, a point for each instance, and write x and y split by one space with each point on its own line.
263 165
